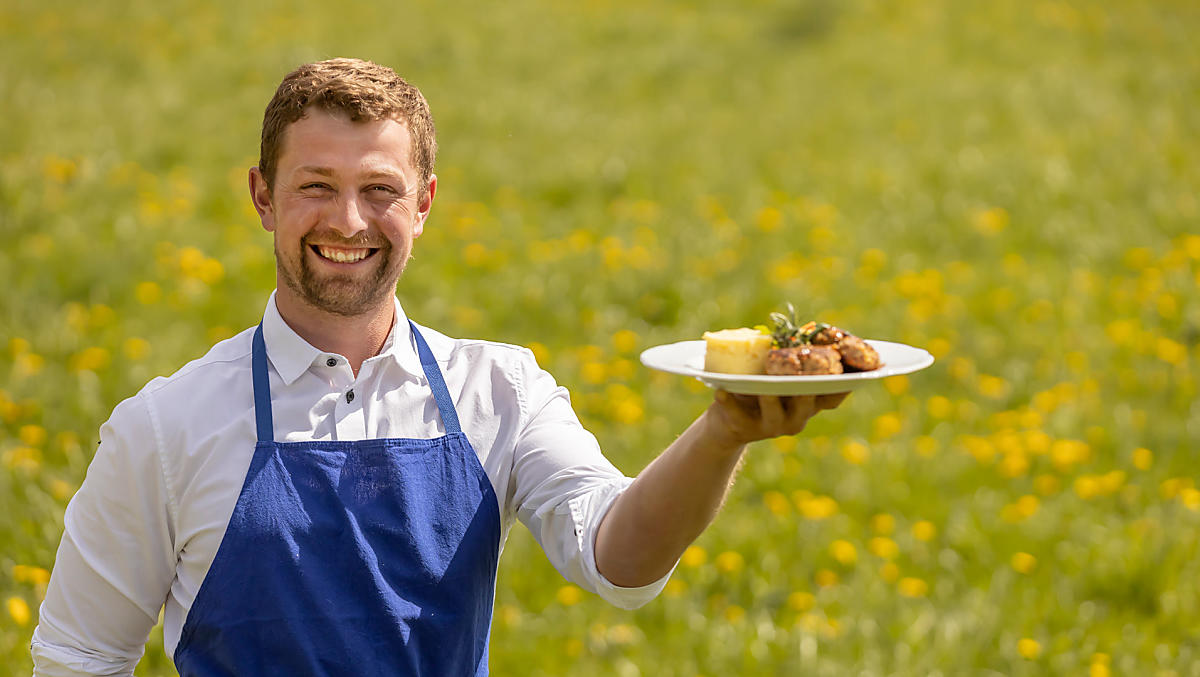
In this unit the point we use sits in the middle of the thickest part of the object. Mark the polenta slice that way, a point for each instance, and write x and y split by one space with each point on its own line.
736 351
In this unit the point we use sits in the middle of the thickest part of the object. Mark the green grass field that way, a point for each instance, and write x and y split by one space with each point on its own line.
1012 185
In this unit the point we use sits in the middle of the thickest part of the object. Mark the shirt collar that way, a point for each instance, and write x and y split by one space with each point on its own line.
291 355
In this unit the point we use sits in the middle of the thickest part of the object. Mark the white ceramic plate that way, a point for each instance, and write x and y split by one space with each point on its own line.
687 358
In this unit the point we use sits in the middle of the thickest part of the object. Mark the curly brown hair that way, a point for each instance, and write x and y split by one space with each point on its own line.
364 91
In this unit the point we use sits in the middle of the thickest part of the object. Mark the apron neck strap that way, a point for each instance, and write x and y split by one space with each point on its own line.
262 389
436 383
262 386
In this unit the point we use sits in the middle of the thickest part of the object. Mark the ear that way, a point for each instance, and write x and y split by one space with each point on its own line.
424 204
260 195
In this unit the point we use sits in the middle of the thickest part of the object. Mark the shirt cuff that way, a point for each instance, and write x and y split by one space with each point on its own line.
588 512
50 660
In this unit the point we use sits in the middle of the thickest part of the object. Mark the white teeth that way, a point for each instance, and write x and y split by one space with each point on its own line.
343 255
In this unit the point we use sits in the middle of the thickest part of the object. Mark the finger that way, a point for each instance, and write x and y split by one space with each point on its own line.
830 401
771 407
802 407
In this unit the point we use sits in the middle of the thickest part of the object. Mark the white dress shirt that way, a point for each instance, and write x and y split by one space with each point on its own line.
145 525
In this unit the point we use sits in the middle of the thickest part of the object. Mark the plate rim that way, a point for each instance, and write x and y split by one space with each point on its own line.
926 360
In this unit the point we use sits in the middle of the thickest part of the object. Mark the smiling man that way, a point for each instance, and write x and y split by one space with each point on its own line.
328 493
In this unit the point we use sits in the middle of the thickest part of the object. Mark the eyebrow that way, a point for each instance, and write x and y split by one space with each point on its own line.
375 174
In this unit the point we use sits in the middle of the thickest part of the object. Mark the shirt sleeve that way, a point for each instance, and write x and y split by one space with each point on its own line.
564 488
116 560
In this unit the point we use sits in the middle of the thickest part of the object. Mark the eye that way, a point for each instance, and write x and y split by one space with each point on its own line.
381 189
315 185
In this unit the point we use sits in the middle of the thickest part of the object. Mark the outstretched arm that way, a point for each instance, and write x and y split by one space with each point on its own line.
677 496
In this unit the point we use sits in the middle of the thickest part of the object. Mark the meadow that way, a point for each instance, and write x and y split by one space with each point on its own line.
1011 185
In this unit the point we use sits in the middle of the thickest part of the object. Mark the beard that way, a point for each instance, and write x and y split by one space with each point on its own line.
345 295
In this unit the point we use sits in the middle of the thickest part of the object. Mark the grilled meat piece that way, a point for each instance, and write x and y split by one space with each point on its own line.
804 360
857 354
827 336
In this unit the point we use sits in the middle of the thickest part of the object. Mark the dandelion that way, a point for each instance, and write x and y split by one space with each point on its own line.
1028 648
825 578
694 556
730 562
1099 665
896 385
844 552
912 587
883 523
883 547
32 435
135 348
889 572
1142 458
90 359
990 221
777 503
147 293
675 588
924 531
569 595
887 425
801 601
24 573
734 613
855 453
816 507
785 444
1023 562
1190 499
18 609
625 341
768 219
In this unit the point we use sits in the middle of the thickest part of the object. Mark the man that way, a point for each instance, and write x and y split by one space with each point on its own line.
328 493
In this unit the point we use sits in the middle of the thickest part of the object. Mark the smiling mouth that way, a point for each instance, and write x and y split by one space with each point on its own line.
342 254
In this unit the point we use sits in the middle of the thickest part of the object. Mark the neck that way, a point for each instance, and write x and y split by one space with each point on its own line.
356 337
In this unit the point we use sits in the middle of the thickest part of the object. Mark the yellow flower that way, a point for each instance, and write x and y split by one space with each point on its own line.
768 219
887 425
889 572
90 359
992 386
896 385
883 523
1029 648
844 552
734 613
1190 498
675 588
801 601
777 503
817 507
912 587
24 573
855 453
32 435
1142 458
136 348
924 531
19 610
730 562
694 556
569 595
625 341
540 352
1023 562
883 547
825 578
990 221
940 407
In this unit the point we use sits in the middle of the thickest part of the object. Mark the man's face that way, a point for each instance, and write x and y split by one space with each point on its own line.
345 209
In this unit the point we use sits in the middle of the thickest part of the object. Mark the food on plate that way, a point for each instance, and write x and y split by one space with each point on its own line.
788 348
804 360
736 351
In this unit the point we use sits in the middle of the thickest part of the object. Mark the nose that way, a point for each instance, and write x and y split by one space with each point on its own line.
348 219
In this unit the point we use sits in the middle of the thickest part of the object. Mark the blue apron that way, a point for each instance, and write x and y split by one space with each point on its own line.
371 557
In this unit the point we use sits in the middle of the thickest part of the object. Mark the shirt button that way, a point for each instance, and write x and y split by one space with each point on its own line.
349 396
331 362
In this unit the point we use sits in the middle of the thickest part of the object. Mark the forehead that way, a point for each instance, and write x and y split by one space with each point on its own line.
333 140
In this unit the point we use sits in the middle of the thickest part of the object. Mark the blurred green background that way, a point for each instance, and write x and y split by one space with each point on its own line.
1012 185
